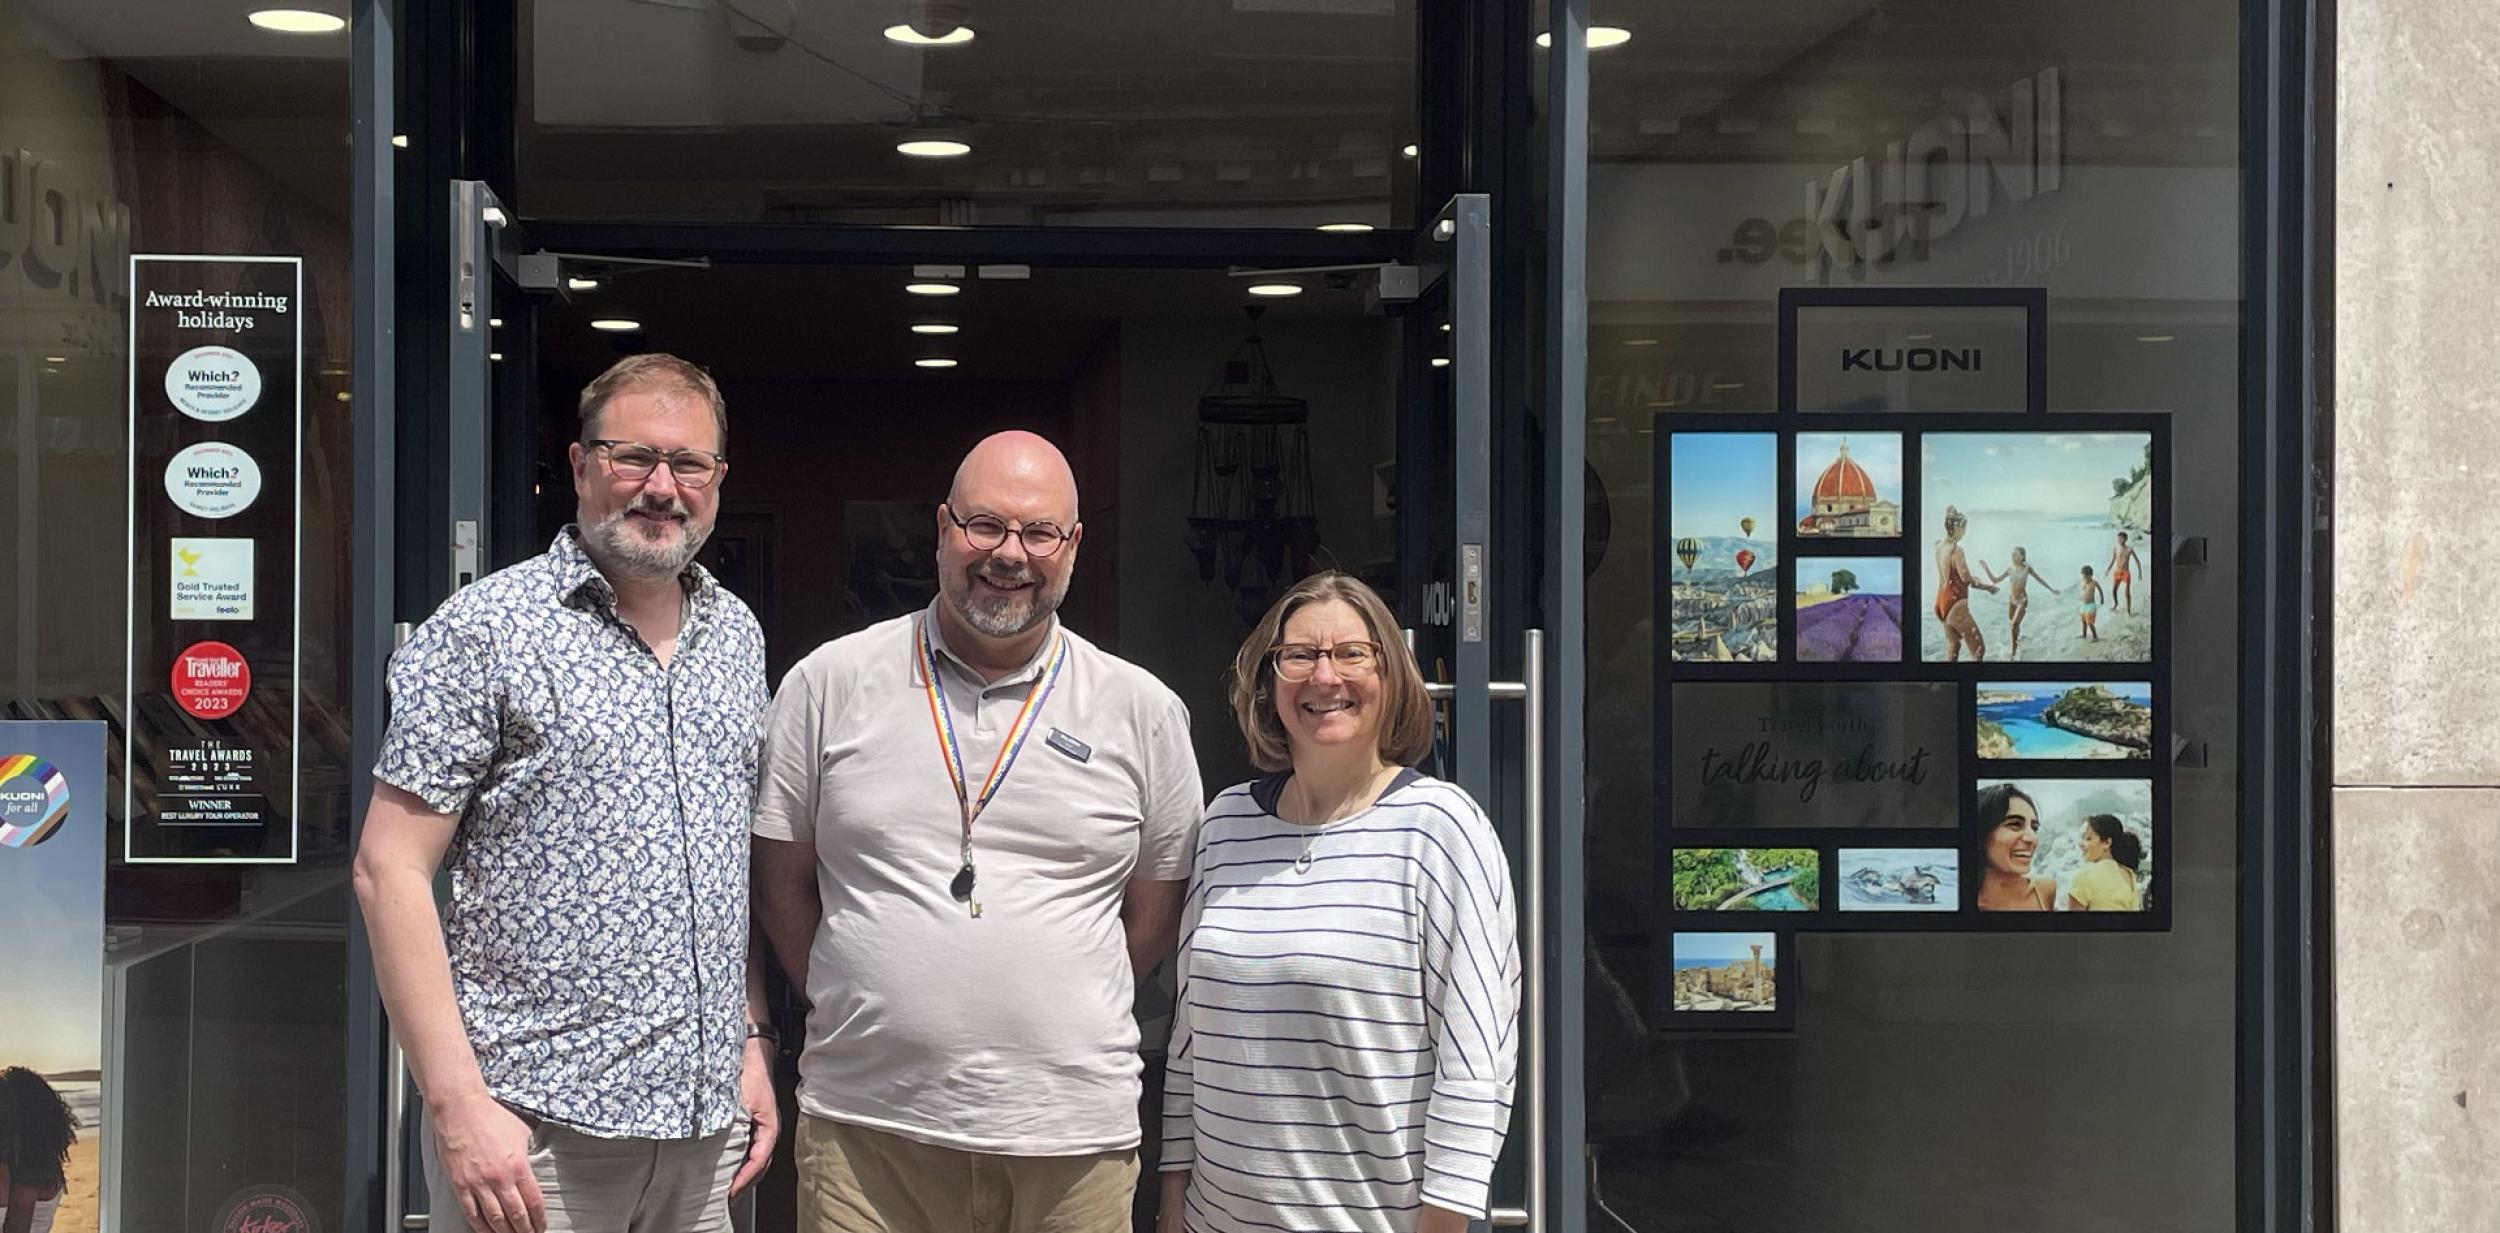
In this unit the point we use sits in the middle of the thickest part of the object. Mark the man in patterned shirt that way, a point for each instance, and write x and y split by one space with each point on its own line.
578 734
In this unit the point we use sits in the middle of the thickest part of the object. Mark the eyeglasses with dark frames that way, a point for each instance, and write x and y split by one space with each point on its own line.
986 532
634 462
1296 661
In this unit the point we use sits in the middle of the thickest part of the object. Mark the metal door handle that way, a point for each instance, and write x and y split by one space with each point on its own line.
1529 692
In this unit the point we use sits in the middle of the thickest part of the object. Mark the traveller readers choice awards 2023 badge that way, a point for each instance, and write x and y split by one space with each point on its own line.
213 384
211 680
34 800
212 480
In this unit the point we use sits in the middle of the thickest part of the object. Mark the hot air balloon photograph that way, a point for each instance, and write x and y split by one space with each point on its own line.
1724 600
1848 485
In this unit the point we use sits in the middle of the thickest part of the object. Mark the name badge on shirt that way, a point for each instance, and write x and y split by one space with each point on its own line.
1069 745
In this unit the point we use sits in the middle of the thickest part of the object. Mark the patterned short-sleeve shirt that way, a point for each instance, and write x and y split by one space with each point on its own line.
598 917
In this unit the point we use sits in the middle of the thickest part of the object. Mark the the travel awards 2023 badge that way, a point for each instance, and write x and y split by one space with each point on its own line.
212 480
34 800
213 384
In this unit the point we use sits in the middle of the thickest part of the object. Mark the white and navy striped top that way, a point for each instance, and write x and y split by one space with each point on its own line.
1348 1029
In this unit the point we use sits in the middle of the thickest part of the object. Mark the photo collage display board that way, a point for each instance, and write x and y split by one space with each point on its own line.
1912 664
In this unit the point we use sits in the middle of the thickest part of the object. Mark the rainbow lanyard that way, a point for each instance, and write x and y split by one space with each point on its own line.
942 718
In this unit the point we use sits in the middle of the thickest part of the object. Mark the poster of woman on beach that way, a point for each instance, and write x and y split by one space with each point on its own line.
52 965
2038 547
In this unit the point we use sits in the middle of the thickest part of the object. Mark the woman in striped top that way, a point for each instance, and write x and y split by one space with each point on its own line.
1346 1040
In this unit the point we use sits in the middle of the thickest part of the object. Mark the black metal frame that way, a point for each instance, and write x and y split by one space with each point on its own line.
1965 679
2034 301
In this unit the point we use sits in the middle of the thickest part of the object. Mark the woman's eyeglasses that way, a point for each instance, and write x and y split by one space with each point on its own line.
1296 661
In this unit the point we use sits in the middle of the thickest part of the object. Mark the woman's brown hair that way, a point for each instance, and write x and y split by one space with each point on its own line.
1406 721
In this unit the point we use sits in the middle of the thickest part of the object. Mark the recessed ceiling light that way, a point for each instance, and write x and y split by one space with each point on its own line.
1600 38
496 356
297 21
1349 228
2155 337
616 325
400 140
1440 361
581 284
345 396
904 34
1410 151
494 323
1445 327
934 327
493 216
1640 342
934 289
934 361
932 148
1918 337
1276 291
56 359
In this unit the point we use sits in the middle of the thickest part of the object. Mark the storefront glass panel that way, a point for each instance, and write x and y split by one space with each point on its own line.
1947 1078
202 1047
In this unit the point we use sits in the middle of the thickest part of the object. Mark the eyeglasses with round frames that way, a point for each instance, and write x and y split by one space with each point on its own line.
633 462
1296 661
986 532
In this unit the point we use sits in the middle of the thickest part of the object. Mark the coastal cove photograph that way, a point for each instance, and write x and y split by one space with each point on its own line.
2065 719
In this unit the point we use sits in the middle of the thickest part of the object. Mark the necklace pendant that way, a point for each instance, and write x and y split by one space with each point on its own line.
961 888
1302 863
976 909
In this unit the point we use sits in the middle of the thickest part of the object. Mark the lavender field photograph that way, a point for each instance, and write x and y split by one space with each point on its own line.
1849 610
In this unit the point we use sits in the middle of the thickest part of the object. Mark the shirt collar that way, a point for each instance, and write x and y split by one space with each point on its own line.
1029 670
578 578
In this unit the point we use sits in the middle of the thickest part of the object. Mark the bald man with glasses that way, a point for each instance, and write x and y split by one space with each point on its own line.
974 833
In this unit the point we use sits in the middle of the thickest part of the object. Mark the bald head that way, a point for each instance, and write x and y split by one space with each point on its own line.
1016 475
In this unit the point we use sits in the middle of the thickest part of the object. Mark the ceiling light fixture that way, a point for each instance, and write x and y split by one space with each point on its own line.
1410 151
1600 38
1640 342
493 215
934 289
400 140
902 32
578 283
933 361
1276 291
1347 228
494 323
935 327
1440 361
56 359
932 147
297 21
616 325
2156 338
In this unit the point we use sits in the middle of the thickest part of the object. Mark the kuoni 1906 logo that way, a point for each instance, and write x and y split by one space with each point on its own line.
34 800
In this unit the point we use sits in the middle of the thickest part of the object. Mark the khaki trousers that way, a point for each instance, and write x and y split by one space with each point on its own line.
595 1185
856 1180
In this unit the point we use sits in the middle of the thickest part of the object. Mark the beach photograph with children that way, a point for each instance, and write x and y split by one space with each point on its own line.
2037 547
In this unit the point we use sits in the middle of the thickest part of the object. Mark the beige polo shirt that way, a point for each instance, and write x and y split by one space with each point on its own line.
1010 1033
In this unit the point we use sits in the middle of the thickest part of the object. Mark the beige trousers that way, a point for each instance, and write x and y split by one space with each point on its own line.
856 1180
595 1185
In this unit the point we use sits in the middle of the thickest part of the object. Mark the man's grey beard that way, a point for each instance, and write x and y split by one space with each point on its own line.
616 547
1005 616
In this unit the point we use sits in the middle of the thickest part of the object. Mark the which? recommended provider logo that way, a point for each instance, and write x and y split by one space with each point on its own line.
212 480
213 384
